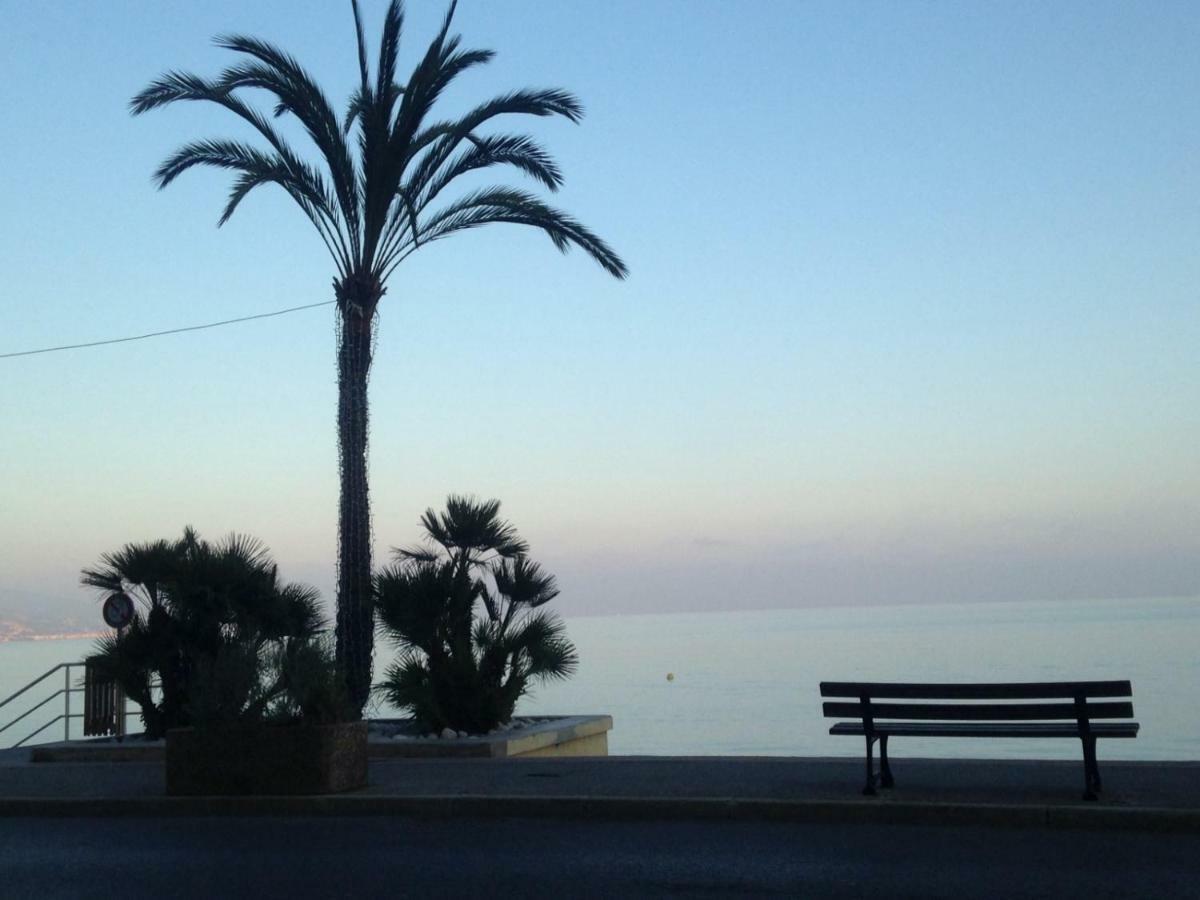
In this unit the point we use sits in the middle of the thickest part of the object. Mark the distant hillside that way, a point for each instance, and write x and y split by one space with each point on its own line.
47 626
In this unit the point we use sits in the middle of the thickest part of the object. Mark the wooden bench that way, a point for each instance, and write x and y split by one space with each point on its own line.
877 721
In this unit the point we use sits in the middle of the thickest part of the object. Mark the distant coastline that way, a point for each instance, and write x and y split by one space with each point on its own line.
43 638
11 632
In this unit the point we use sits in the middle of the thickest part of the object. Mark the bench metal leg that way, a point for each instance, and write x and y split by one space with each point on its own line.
1095 766
869 790
885 770
1091 772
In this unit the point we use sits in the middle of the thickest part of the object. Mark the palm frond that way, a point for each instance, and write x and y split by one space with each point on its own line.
529 102
517 207
413 554
299 94
183 86
548 654
361 41
360 102
257 168
168 88
454 62
389 47
413 600
145 566
407 686
302 605
474 526
434 145
523 582
246 551
385 144
515 150
490 602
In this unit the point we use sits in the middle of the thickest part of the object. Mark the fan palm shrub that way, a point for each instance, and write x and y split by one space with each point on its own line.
466 613
215 630
375 194
281 682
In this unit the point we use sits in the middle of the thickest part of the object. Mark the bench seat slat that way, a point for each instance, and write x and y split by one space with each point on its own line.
1040 690
988 729
980 711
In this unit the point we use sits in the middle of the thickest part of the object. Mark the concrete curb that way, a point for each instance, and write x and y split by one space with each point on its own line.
586 808
585 735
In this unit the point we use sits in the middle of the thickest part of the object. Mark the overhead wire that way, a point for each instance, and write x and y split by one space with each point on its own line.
151 334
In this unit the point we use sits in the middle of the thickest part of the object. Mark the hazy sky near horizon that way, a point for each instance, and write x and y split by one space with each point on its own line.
912 314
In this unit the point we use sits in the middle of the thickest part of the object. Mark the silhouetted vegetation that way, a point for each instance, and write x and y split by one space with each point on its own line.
216 630
372 201
466 611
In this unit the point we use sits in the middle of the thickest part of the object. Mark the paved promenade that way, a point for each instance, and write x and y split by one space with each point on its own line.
1138 795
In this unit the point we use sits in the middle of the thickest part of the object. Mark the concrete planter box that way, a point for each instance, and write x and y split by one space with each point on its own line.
266 759
544 736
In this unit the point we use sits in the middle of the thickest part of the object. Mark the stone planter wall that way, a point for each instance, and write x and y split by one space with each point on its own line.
549 736
266 759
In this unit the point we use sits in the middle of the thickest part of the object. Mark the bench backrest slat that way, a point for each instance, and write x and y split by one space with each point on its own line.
982 712
1044 690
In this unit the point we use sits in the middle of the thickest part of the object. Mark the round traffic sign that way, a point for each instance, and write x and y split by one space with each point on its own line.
118 610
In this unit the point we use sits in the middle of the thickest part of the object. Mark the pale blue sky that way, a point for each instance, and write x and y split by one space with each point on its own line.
912 314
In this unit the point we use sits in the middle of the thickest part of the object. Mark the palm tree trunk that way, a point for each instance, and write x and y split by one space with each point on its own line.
355 606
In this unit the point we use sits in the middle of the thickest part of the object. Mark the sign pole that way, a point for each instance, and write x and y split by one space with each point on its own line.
119 703
118 612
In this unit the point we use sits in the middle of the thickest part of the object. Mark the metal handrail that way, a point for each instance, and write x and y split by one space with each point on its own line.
34 709
57 718
37 680
65 692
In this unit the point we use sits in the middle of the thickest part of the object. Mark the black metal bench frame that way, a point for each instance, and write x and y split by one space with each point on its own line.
878 721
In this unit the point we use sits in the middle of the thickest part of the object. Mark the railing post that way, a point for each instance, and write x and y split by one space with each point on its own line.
67 703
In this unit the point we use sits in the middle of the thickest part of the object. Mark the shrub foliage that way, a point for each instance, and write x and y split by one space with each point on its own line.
215 636
466 611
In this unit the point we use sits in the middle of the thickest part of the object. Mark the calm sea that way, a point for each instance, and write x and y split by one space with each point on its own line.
746 682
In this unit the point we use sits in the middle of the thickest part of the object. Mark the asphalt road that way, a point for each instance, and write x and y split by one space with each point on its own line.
399 857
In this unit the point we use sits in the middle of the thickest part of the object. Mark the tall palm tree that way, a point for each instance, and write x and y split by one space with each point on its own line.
373 201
